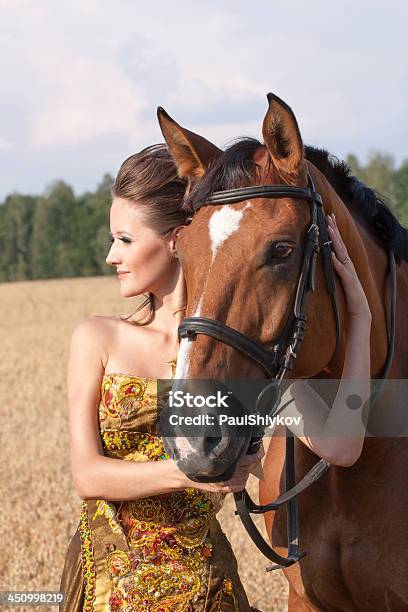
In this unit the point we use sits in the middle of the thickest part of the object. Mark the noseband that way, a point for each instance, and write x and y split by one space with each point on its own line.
275 363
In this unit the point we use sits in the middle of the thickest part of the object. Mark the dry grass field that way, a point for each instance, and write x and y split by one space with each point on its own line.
40 508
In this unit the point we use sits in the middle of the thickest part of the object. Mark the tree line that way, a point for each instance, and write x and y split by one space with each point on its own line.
55 235
59 234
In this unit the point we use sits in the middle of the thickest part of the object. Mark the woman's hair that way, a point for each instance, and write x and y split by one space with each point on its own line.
149 181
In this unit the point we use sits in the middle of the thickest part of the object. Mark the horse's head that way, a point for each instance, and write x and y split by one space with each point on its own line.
243 260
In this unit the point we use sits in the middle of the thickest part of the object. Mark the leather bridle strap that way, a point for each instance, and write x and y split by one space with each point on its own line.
192 326
390 330
246 506
233 196
309 478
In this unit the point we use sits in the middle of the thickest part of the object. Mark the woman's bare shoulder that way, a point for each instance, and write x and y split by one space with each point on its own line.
119 341
98 332
101 325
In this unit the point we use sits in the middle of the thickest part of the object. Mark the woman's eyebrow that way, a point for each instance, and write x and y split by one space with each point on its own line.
121 232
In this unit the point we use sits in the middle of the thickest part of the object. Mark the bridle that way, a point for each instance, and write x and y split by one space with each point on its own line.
276 362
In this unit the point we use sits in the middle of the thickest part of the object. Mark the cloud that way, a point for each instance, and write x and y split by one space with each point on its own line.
81 81
88 98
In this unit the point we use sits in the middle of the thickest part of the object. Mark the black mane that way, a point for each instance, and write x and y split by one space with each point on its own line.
365 201
235 168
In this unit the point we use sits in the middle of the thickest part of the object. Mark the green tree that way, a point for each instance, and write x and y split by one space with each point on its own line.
379 174
353 162
95 227
390 183
16 215
401 180
53 248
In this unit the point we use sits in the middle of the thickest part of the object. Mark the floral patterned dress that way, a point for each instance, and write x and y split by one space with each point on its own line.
155 554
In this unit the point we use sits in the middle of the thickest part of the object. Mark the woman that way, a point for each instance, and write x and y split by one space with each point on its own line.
148 538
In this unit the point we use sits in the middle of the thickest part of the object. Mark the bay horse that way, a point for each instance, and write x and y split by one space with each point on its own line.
241 264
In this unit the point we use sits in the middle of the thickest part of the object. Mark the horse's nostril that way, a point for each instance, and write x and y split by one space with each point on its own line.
211 443
212 440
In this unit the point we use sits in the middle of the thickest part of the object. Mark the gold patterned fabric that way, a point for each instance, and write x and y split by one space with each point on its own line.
155 554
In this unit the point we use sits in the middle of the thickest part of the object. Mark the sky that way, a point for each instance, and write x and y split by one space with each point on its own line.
81 80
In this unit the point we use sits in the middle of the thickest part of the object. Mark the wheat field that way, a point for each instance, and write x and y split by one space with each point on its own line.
40 508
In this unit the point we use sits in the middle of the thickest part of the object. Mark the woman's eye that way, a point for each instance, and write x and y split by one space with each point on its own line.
277 251
123 239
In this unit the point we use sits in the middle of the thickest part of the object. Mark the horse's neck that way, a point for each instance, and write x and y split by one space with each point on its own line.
380 303
377 285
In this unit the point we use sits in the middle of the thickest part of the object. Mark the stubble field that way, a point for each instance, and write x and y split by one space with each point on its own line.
40 508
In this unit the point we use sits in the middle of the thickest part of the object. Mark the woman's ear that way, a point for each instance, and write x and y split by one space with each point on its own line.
173 237
191 152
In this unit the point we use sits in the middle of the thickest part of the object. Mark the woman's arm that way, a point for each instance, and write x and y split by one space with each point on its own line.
337 434
96 476
117 480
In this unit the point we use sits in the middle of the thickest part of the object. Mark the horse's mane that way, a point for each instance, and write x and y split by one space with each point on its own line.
235 168
366 202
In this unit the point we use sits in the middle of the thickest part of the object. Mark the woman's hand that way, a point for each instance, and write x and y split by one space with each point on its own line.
357 303
238 480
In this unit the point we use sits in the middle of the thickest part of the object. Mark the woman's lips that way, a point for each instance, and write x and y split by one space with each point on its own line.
122 274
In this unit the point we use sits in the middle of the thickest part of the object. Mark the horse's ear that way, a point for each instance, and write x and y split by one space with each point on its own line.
191 152
282 138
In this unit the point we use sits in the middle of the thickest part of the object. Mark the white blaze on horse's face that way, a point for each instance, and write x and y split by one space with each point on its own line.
223 223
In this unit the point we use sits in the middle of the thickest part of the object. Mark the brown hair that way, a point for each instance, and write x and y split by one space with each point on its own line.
149 180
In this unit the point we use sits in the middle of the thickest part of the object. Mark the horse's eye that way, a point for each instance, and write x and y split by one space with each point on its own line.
277 251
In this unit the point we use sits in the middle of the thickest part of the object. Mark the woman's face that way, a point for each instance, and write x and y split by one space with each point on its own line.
143 256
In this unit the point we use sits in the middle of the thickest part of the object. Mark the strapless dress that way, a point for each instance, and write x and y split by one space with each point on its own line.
154 554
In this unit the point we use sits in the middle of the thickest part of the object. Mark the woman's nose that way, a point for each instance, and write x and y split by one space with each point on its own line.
112 257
